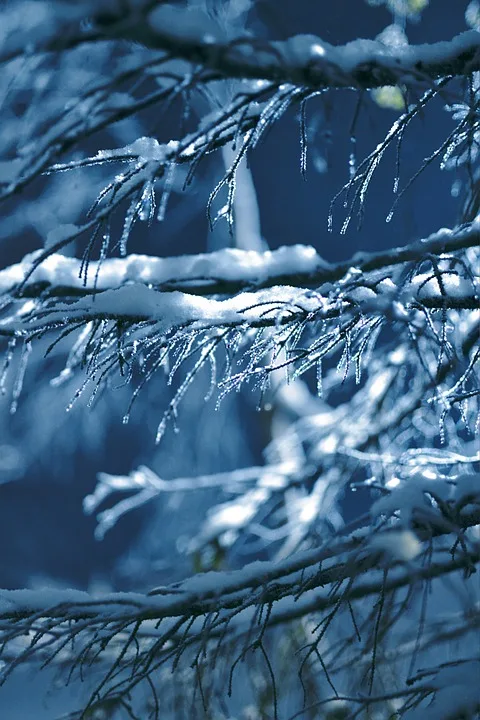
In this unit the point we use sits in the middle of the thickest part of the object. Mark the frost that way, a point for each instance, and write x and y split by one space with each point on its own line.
410 497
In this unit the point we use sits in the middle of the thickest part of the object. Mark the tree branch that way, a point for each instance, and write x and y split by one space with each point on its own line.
305 60
224 272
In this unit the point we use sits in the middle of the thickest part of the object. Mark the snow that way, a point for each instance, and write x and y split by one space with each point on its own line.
228 264
472 15
393 36
26 601
169 24
400 545
174 309
399 56
144 148
409 496
174 599
454 286
302 49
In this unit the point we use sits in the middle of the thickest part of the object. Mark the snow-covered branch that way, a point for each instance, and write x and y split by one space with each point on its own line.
273 307
171 622
303 59
199 595
129 310
226 271
177 30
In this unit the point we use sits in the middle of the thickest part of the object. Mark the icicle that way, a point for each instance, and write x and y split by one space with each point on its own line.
273 110
366 182
167 189
12 343
213 377
373 337
103 250
457 140
77 394
103 254
262 384
146 209
232 184
161 430
352 161
127 226
346 223
181 355
464 411
319 378
358 369
330 222
303 140
441 427
17 388
165 362
345 358
92 397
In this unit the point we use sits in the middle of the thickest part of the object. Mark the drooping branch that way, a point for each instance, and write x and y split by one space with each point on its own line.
294 588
